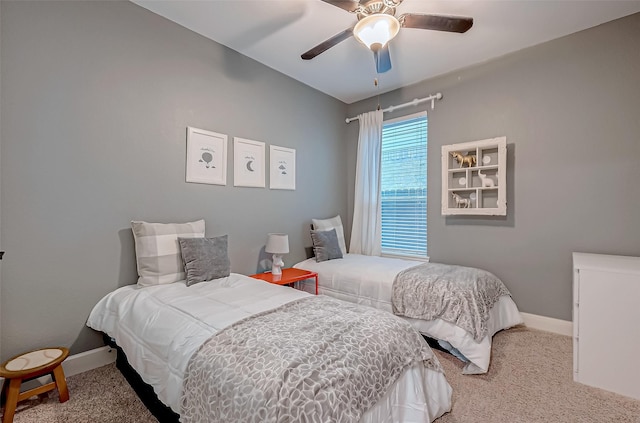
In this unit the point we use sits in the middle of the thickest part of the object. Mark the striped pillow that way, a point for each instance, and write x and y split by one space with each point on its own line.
158 252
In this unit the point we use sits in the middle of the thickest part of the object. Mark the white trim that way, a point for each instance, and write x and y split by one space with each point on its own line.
88 360
406 117
98 357
549 324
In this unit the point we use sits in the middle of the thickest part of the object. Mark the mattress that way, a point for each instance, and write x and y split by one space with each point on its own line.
368 280
159 328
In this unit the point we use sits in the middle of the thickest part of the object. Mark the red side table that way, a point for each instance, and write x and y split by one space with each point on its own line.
288 277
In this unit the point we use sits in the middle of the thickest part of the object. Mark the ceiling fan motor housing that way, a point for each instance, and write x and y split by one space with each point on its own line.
372 7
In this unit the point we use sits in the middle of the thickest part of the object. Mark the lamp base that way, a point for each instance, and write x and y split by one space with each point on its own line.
276 267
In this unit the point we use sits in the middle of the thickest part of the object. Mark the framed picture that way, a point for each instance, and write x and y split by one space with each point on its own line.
206 157
282 173
248 163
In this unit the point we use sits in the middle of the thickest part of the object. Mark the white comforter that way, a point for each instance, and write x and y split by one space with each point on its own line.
368 280
160 327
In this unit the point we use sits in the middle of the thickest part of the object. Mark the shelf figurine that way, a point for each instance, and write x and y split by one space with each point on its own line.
487 182
464 203
469 160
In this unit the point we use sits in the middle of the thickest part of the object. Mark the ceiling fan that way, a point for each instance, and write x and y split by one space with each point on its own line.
377 25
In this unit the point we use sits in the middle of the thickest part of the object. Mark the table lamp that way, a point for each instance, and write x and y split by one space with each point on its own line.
277 244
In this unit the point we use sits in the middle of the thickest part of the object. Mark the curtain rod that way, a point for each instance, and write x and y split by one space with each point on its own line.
415 102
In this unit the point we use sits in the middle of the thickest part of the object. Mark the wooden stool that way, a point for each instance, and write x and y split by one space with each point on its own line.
29 366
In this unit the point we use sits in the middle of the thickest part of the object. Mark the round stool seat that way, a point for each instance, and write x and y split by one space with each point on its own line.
28 366
34 359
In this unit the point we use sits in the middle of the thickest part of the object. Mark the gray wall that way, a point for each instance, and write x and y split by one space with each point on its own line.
570 111
96 98
0 176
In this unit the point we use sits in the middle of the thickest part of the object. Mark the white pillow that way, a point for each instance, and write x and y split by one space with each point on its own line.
333 223
158 252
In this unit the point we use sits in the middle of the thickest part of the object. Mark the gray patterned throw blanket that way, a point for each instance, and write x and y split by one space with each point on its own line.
316 359
459 295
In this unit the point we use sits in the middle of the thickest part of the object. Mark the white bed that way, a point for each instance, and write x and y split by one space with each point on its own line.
368 280
160 327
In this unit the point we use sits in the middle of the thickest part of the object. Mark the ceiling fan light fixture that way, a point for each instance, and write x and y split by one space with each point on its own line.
375 31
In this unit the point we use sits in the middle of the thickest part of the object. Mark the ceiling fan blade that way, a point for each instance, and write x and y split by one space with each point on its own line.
436 22
383 59
348 5
327 44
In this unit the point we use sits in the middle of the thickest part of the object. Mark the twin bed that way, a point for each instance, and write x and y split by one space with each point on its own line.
219 346
459 307
208 348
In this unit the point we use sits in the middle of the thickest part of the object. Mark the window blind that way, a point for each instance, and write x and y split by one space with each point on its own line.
404 187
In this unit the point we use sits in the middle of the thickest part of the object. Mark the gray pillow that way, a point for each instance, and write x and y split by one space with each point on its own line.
205 259
326 245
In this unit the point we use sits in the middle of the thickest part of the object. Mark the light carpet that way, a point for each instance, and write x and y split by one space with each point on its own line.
530 380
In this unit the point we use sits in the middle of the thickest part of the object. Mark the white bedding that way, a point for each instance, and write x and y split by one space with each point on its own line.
160 327
368 280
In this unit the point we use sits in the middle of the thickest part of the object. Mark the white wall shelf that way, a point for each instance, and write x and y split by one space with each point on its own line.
463 190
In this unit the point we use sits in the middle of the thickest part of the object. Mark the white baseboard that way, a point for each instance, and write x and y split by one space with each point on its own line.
548 324
88 360
98 357
84 361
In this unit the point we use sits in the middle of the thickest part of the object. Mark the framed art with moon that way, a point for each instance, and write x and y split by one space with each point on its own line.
248 163
206 157
282 169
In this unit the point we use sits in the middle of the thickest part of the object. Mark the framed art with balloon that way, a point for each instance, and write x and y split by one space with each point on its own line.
248 163
282 171
206 157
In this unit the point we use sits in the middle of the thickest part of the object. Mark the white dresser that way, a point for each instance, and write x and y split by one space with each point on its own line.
606 322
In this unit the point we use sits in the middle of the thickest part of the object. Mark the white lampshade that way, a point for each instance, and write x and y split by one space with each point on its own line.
277 244
374 31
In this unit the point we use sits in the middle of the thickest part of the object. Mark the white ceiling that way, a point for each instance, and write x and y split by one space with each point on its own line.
277 32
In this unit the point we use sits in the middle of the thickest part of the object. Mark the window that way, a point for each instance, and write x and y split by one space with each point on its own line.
404 186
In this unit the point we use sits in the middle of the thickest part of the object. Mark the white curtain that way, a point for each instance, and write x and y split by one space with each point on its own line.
366 231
